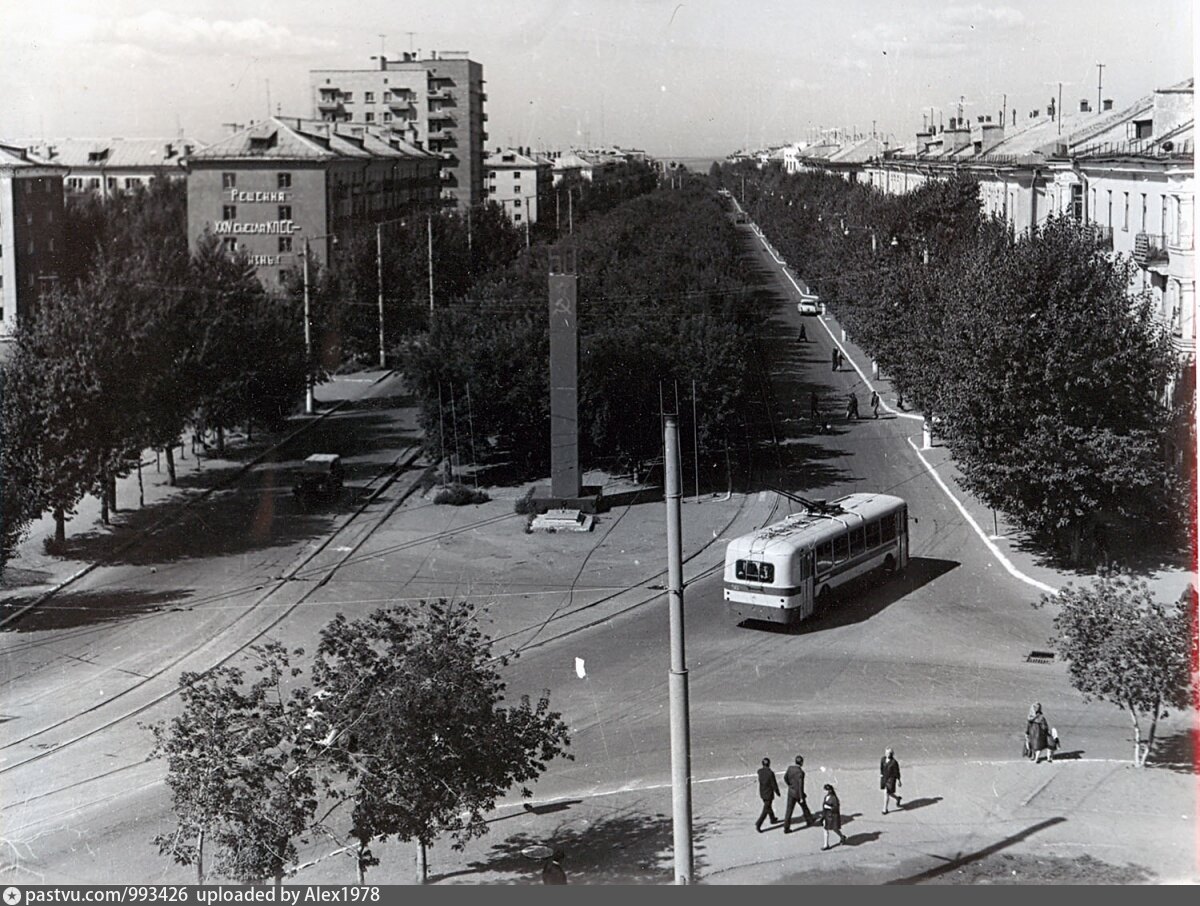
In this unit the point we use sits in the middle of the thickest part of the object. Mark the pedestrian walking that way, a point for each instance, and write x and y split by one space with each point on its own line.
1037 734
793 779
852 407
814 408
833 358
832 814
889 778
768 789
875 402
552 869
803 334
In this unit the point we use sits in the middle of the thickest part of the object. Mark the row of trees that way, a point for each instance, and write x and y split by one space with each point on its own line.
661 299
148 340
1051 381
403 734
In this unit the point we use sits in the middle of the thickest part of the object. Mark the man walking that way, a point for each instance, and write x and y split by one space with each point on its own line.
889 778
875 402
793 779
814 408
833 358
768 789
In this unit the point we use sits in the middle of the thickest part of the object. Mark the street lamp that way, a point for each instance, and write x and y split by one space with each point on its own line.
308 381
379 277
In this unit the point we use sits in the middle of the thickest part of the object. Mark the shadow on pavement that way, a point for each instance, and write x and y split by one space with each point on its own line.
1176 752
68 610
961 859
860 839
912 804
863 599
624 848
259 511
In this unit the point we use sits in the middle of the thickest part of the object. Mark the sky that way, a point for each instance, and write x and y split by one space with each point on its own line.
692 78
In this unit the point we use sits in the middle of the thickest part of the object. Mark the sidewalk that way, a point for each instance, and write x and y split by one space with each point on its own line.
1096 822
32 571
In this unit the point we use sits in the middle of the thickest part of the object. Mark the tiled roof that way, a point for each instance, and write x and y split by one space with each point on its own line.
14 156
510 157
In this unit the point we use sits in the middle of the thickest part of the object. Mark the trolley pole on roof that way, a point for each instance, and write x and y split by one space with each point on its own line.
681 748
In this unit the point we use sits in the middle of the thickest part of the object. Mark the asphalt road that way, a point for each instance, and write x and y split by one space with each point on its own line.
931 663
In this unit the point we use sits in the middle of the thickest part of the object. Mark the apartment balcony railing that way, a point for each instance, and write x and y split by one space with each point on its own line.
405 104
440 94
329 102
442 135
1182 242
1149 247
442 117
1102 234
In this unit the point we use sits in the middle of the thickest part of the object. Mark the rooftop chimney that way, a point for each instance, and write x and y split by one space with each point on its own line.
1108 103
1014 122
1085 107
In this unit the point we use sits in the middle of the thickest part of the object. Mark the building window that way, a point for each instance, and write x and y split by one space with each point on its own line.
387 117
1125 215
31 247
229 245
50 245
370 117
284 180
348 97
228 180
1109 224
285 212
516 202
94 183
229 212
369 97
516 174
516 218
492 189
285 243
1162 220
1092 209
1143 226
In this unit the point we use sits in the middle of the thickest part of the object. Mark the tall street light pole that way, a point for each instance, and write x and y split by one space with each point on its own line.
681 756
379 278
308 390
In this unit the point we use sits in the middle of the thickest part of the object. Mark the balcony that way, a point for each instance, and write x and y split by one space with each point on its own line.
442 135
1148 247
1102 234
329 102
440 94
441 116
405 104
448 178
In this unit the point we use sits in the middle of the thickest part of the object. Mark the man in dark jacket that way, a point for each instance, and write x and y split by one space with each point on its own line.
768 789
552 869
793 779
889 778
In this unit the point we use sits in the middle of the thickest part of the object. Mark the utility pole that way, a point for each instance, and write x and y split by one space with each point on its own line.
429 225
527 219
570 212
1099 85
1060 110
696 439
308 386
681 767
379 280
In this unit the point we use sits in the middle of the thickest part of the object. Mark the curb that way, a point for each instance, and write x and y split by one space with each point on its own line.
167 519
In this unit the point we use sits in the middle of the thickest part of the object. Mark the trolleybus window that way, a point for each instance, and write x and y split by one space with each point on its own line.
824 556
856 541
841 549
753 571
887 527
872 534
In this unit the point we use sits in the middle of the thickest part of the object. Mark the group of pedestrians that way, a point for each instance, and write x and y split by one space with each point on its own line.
852 414
831 807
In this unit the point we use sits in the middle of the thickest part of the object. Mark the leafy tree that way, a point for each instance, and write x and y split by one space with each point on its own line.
240 771
412 713
19 441
1125 647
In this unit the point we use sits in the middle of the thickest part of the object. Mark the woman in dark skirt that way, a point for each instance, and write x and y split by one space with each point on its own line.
833 816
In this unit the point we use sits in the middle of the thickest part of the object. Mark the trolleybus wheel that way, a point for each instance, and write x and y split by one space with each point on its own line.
889 564
824 601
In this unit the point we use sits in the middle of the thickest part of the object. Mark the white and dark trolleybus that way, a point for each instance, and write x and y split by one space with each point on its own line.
785 572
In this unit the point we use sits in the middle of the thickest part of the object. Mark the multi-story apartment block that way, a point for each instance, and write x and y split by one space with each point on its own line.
269 188
31 215
521 182
104 167
1128 172
434 103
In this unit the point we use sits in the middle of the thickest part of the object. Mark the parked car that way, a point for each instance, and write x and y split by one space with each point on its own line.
809 305
320 478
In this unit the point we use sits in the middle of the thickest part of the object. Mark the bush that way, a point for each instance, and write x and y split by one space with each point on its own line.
458 494
525 505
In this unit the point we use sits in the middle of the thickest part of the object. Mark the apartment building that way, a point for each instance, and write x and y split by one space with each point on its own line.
521 182
268 188
31 215
435 103
104 167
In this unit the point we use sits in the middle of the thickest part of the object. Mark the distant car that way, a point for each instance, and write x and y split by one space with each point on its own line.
320 478
809 305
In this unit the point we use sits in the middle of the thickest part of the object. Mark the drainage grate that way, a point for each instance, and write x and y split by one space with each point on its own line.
1039 657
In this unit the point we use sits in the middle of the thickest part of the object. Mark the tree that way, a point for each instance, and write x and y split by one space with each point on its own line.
1123 646
19 491
239 767
412 706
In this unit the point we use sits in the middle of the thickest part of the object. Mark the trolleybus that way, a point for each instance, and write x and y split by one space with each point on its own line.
785 572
